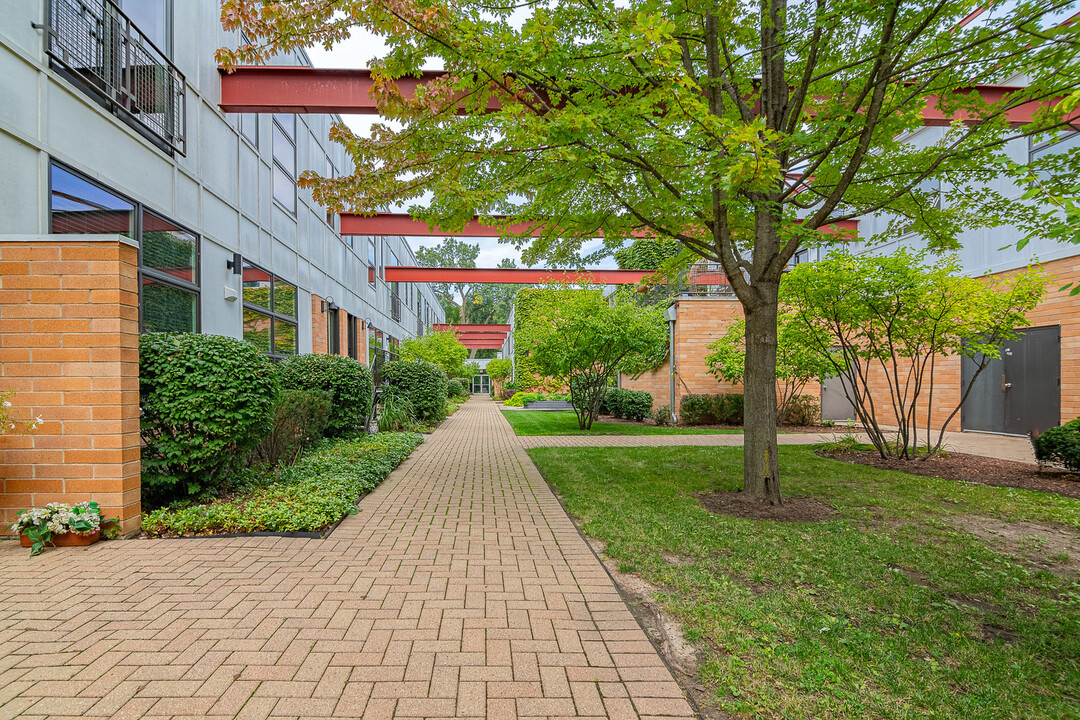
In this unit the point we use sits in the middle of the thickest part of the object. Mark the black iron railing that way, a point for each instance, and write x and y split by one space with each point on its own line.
395 307
101 48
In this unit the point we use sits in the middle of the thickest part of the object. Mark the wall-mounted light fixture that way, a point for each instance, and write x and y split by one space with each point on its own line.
330 304
236 264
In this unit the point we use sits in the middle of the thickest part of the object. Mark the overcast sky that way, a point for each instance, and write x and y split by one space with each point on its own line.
356 52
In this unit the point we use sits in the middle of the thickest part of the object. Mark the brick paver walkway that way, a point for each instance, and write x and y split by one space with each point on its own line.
461 589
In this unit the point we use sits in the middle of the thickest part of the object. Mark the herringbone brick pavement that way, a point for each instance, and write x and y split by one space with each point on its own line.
461 589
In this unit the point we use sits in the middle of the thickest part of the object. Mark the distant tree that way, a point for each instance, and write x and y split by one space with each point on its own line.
441 348
584 339
799 359
887 321
646 253
500 368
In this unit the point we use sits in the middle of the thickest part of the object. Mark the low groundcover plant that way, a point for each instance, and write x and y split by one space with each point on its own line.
40 524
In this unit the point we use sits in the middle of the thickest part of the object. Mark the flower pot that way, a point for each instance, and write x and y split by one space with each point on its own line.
66 539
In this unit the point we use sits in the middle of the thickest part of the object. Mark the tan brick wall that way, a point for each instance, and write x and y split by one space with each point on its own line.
69 335
319 326
343 332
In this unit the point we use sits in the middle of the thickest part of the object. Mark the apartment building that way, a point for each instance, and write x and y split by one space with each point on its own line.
130 203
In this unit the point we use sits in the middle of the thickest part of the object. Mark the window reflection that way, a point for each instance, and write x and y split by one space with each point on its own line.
78 207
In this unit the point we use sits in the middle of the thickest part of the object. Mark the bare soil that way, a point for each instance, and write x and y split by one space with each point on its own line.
793 509
1053 547
973 469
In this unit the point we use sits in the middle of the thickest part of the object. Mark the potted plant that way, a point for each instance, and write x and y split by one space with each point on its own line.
60 525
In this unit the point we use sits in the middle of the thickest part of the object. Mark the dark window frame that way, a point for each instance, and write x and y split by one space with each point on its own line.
271 312
333 331
138 208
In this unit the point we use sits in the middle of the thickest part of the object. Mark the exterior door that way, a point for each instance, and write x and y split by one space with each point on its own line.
1019 393
834 403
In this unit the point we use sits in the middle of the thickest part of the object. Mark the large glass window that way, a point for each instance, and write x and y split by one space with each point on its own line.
371 261
284 147
269 311
168 254
154 19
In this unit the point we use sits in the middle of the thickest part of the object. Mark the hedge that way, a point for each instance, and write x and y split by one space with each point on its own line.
348 382
422 383
630 404
206 401
1060 445
309 496
724 409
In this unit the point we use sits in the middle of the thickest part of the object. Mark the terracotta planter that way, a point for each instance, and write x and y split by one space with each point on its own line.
66 539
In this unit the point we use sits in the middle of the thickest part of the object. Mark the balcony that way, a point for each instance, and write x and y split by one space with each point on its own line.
705 279
93 43
395 307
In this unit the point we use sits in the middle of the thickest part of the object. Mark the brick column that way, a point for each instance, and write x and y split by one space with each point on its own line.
69 347
319 341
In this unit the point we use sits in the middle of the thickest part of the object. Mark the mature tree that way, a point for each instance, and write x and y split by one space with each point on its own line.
884 322
441 348
799 359
583 339
744 130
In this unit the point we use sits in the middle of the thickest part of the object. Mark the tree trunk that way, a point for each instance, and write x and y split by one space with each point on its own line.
761 476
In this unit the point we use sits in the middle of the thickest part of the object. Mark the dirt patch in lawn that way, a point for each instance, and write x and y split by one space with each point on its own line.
973 469
1053 547
793 509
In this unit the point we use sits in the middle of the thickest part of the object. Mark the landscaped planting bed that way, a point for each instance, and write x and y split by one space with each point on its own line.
881 595
565 423
309 496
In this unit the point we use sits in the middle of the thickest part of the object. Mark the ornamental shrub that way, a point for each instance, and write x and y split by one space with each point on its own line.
422 383
662 415
454 389
518 399
712 409
1059 445
206 401
466 386
636 404
348 382
300 418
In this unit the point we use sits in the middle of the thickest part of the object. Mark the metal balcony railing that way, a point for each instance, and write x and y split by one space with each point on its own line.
395 307
101 48
708 279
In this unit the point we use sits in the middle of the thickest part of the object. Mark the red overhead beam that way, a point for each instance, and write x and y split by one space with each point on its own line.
483 344
387 223
289 89
471 327
482 337
403 273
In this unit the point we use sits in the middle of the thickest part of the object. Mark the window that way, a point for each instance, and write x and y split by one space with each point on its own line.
249 127
371 258
1062 142
800 257
269 312
168 254
154 19
334 332
284 147
354 339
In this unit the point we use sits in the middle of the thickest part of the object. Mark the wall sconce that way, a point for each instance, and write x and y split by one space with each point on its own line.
329 304
236 264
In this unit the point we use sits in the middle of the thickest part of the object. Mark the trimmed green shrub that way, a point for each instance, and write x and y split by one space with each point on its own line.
711 409
422 383
309 496
454 389
206 401
466 387
300 418
636 404
1060 445
801 410
348 382
518 399
662 415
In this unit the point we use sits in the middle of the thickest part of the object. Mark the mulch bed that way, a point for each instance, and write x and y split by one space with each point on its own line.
793 509
973 469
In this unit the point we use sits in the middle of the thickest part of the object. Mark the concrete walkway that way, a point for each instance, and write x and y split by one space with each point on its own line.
461 589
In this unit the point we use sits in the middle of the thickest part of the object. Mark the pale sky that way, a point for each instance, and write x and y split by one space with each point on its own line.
356 52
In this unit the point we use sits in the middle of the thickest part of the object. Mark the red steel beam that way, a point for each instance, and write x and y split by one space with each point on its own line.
387 223
298 89
483 344
519 276
471 327
482 337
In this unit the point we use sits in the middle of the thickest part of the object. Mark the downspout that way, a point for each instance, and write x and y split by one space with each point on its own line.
672 314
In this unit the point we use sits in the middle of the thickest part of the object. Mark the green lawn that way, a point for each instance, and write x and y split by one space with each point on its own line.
532 422
889 611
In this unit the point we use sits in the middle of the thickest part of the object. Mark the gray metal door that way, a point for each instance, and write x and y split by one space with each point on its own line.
1033 381
834 403
1019 393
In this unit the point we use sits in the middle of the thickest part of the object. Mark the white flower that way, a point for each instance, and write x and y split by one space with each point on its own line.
7 403
39 421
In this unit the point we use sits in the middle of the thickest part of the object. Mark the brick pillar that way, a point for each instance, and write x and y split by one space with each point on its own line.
343 332
69 347
319 341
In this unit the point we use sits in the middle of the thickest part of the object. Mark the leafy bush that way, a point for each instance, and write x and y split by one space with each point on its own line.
519 399
662 415
630 404
801 410
466 387
500 368
724 409
206 401
422 383
347 381
454 389
307 497
300 418
1060 445
395 412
